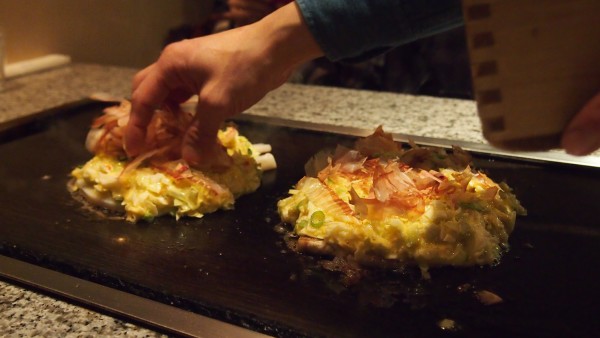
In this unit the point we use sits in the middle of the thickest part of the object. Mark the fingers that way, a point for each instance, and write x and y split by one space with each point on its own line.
582 135
140 76
150 91
201 148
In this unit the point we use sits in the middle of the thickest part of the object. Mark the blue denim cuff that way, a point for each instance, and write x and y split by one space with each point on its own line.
355 29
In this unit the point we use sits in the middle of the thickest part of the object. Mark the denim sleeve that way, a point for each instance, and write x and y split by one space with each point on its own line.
356 29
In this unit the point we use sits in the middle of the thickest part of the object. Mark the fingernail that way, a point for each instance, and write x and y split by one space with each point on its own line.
581 141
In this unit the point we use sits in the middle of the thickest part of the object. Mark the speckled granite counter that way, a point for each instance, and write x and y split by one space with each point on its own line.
26 313
425 116
23 96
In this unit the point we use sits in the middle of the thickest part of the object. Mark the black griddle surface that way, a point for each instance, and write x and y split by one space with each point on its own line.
234 266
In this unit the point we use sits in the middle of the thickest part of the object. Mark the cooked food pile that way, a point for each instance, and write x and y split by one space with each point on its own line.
380 205
158 181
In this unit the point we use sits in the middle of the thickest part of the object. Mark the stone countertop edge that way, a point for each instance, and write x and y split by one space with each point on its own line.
398 113
28 313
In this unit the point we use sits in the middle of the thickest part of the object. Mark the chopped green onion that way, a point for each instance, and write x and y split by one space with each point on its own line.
302 224
317 218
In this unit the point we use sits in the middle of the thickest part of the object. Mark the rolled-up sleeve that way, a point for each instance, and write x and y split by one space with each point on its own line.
351 29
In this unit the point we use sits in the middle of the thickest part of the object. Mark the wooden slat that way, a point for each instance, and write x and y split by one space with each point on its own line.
534 65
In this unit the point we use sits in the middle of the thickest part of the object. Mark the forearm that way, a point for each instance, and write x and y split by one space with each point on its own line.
289 41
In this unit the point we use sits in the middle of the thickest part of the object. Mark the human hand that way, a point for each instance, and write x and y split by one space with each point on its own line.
227 75
229 72
582 135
